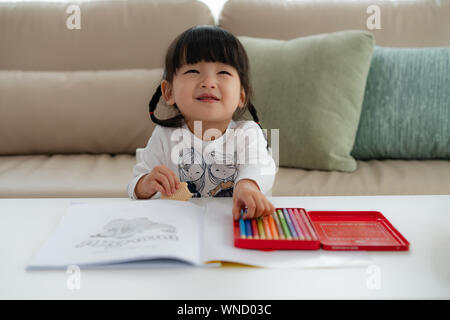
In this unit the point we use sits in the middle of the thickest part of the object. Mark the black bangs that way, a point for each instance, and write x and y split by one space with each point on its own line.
207 43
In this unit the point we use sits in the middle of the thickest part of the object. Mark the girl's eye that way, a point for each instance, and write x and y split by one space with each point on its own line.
193 70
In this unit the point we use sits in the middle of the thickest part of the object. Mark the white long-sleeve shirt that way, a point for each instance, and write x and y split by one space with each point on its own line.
210 168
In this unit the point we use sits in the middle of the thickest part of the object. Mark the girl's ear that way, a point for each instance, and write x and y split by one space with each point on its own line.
166 92
242 99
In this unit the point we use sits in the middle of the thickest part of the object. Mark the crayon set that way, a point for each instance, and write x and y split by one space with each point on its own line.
286 228
297 229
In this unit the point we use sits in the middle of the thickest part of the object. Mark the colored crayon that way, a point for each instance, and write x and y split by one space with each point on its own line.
277 222
242 226
302 224
296 225
265 221
248 229
273 228
290 225
284 225
255 229
308 225
262 235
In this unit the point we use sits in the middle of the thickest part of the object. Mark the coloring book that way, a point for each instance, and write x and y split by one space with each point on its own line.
163 233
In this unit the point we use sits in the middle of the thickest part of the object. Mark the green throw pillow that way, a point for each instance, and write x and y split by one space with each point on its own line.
311 89
406 108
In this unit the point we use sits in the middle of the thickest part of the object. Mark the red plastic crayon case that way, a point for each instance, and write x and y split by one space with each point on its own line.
336 230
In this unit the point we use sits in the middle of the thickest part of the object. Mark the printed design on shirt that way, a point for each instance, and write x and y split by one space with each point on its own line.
213 176
222 173
191 169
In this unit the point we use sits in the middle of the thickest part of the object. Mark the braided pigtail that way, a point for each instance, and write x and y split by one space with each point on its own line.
172 122
252 111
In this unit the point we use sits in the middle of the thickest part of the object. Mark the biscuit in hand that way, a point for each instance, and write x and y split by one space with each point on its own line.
182 193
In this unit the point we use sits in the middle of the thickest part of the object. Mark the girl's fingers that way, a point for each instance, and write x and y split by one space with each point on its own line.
172 182
156 186
271 207
263 207
173 179
267 207
251 208
176 181
236 209
164 181
257 206
260 207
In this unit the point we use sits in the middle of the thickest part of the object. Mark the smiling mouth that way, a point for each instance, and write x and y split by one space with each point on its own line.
208 100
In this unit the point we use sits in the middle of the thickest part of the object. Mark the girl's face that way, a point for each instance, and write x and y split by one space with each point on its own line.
213 78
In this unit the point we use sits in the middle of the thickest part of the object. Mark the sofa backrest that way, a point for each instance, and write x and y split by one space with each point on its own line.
113 34
403 23
82 90
66 90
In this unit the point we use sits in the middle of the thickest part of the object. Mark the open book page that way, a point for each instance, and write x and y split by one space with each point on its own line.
218 241
93 234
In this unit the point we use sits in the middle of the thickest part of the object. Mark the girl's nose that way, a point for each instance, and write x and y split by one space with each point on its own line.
208 82
208 85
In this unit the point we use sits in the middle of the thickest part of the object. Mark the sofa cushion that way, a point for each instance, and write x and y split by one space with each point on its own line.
406 108
406 23
65 176
311 89
374 177
113 34
76 111
85 176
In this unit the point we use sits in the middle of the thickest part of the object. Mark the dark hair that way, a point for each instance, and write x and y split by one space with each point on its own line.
211 44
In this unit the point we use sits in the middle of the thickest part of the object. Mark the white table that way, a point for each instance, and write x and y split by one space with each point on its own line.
423 272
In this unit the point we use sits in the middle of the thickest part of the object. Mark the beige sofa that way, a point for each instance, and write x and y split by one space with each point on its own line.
73 102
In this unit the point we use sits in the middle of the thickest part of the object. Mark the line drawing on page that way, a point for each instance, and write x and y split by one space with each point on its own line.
123 228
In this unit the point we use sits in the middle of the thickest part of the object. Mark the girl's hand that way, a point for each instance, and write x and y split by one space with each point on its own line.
247 194
161 179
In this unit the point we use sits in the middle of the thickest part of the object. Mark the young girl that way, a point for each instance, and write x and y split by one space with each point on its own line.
206 79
